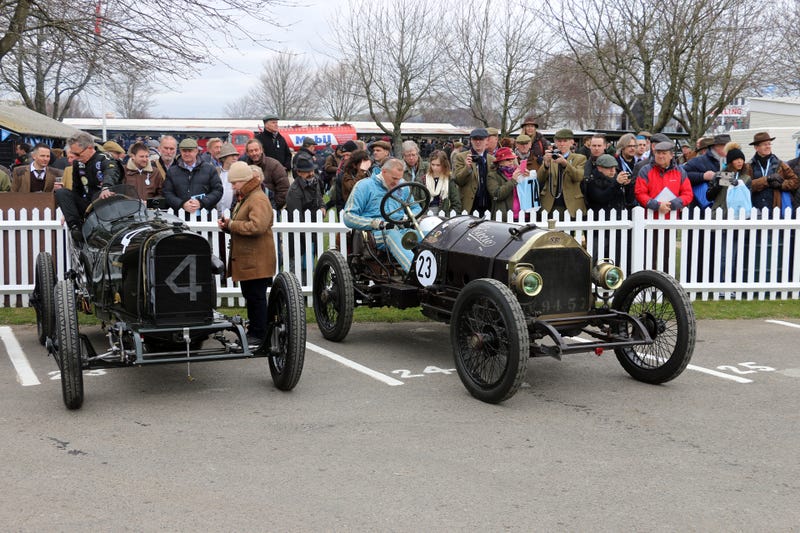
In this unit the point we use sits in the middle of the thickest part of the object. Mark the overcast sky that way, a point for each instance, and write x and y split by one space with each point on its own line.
206 95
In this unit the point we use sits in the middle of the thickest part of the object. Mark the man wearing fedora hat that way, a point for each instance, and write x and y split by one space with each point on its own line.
771 176
538 143
273 143
702 169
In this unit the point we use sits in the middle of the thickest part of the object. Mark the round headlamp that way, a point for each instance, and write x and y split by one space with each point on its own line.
608 276
527 281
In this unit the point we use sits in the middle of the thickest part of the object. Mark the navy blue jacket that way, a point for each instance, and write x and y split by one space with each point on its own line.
182 184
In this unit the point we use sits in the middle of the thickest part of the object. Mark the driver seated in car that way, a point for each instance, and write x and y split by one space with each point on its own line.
363 210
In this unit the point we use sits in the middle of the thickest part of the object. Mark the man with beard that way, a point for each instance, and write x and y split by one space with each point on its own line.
276 179
141 173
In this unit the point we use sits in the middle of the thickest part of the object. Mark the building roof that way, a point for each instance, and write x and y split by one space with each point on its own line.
17 118
200 126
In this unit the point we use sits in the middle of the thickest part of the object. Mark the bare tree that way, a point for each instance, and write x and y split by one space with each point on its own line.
284 87
495 55
730 63
395 61
143 34
41 70
339 92
242 107
131 94
640 52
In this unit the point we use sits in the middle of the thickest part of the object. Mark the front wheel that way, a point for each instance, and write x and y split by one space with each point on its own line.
287 342
490 340
69 345
42 297
663 307
334 298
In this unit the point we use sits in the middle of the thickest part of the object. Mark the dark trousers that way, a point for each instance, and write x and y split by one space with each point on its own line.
255 292
72 206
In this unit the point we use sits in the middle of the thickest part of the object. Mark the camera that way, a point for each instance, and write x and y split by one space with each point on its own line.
725 179
556 152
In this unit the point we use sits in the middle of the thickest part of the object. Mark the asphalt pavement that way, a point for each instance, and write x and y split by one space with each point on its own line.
381 435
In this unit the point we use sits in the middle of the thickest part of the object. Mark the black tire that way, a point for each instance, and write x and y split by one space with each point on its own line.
661 304
490 340
69 345
43 298
287 313
333 296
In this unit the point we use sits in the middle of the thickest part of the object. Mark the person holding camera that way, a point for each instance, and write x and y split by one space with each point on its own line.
607 189
561 175
470 171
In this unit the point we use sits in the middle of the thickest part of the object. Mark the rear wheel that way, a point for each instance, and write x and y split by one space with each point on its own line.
490 340
287 342
69 345
333 296
42 298
661 304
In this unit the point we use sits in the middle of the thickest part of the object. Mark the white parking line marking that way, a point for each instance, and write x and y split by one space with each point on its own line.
355 366
737 379
25 375
696 368
782 323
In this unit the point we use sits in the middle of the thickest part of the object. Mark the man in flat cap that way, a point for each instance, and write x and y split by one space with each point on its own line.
663 186
470 170
561 175
191 183
492 140
273 143
381 151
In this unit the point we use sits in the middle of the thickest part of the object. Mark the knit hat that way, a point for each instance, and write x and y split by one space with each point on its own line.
239 171
309 141
349 146
733 155
304 164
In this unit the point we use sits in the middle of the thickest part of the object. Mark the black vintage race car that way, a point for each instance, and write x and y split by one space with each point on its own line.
508 292
150 280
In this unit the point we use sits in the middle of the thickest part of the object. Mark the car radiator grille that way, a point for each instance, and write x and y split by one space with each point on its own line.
566 273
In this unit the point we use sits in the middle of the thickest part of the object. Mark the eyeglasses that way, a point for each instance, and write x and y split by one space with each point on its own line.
78 154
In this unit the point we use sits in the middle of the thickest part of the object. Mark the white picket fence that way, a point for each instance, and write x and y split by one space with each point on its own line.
711 256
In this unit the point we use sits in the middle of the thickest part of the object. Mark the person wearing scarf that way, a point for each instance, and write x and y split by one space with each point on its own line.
502 182
444 192
252 260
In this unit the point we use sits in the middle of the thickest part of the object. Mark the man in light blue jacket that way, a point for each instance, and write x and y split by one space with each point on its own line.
362 210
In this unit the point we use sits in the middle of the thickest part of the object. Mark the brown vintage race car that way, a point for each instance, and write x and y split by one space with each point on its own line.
509 292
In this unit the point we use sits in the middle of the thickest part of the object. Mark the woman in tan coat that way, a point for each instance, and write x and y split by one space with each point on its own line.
252 257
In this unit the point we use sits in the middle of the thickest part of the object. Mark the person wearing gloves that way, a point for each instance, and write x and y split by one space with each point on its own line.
362 210
252 260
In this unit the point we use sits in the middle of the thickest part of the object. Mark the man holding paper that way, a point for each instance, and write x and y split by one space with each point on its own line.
663 186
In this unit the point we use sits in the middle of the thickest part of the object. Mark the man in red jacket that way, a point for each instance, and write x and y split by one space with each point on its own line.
663 186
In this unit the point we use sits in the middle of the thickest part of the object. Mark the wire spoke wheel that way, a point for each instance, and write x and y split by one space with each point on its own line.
490 340
333 296
663 307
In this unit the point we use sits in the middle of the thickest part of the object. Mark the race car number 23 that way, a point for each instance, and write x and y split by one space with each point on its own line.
426 268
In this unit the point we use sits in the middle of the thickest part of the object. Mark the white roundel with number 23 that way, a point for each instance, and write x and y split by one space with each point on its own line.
426 268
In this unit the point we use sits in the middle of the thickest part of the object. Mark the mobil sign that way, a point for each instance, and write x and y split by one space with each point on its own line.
322 135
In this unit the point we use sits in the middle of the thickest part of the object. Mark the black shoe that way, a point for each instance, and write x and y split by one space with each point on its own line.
77 235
